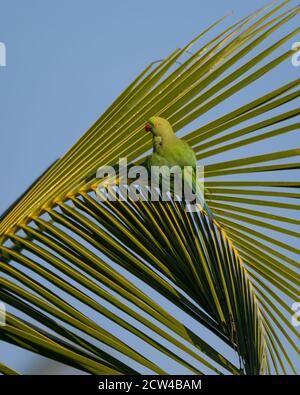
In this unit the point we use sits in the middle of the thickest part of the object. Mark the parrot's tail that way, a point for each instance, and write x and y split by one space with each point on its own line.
197 188
209 213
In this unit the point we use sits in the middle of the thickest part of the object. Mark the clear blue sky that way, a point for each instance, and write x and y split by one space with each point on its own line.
67 60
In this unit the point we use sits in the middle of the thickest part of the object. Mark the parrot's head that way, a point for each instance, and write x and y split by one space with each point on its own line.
159 127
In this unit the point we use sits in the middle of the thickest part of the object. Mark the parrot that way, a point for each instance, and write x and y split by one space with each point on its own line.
169 150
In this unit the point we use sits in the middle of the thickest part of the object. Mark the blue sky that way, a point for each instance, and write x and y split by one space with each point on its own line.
67 61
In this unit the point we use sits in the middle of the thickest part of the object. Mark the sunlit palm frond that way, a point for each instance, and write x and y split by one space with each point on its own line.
91 284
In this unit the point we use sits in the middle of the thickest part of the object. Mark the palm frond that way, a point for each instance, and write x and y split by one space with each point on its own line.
74 267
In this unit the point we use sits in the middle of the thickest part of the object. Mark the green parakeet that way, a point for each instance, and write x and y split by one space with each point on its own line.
169 150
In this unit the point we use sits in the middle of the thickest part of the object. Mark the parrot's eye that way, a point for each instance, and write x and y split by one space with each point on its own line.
148 127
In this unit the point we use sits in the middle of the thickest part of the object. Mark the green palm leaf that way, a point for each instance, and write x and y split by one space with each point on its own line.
72 265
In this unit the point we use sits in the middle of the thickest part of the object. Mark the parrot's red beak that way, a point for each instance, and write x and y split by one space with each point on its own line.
148 127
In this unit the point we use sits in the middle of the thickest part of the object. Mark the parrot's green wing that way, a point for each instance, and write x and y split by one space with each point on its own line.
179 153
